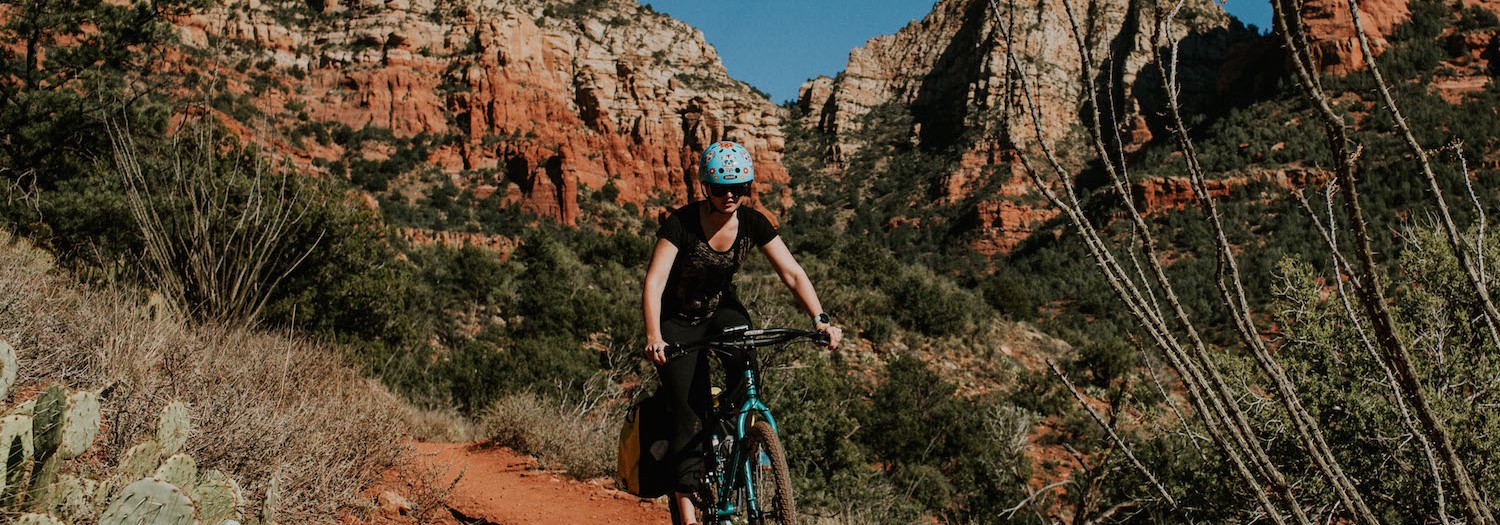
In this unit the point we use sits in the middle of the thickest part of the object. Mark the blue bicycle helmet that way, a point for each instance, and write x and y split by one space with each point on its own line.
725 162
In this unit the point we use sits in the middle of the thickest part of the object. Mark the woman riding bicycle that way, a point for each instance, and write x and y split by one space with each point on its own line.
690 295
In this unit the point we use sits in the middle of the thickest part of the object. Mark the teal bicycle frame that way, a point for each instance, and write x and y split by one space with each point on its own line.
731 471
738 477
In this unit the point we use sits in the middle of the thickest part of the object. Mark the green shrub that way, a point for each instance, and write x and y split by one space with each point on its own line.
1009 296
929 304
927 434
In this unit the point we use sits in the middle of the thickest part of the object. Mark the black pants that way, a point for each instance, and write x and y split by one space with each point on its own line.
685 381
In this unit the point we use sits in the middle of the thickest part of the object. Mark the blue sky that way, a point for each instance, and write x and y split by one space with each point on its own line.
775 45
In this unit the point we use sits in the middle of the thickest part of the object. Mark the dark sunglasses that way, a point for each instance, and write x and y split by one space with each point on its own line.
720 190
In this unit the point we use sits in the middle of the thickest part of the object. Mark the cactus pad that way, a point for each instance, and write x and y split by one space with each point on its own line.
273 500
149 502
47 420
71 499
43 477
180 470
15 470
173 428
17 426
141 460
8 368
82 424
218 500
36 519
23 409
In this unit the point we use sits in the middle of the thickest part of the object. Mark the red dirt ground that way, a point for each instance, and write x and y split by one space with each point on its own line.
499 486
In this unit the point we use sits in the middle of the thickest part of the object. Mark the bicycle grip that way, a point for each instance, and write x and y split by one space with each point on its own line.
674 351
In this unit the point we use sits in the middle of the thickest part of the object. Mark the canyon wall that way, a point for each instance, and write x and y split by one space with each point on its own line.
949 72
528 99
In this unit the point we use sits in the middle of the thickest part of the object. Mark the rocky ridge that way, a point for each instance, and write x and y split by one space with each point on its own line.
527 99
948 71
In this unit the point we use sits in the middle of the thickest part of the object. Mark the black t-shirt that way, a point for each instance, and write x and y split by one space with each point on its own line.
703 278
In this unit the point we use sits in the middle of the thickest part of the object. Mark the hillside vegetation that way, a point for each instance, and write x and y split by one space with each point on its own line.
265 406
152 195
944 405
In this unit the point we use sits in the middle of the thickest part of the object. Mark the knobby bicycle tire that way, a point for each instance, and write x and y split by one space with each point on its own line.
770 476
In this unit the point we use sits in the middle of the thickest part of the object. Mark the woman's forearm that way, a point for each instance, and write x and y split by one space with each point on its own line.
802 287
656 283
651 310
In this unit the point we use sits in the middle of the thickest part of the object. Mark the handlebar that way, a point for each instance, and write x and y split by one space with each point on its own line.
739 337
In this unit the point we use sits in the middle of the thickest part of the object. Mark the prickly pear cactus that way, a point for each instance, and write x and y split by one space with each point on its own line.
218 498
180 470
173 428
36 519
149 502
273 500
82 424
17 426
15 471
71 499
47 420
23 409
43 477
141 460
15 456
46 429
8 368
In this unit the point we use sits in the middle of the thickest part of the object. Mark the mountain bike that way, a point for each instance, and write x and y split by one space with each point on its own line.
747 479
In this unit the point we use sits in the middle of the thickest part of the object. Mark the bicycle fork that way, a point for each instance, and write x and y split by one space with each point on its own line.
740 472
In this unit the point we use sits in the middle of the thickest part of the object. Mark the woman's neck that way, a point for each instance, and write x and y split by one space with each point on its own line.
712 219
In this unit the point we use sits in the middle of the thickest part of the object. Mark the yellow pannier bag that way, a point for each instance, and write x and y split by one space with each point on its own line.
641 463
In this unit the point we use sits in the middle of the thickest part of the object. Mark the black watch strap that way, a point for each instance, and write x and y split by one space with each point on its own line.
822 318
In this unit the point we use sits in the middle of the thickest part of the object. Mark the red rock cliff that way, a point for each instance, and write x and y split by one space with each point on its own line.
535 99
1330 30
948 71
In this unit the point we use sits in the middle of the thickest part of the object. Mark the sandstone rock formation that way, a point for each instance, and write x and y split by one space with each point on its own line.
528 99
1175 193
1330 30
949 72
501 246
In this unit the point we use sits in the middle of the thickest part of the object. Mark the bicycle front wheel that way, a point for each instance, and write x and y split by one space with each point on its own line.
770 478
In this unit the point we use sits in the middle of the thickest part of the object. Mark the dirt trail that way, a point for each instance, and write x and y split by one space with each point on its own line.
500 487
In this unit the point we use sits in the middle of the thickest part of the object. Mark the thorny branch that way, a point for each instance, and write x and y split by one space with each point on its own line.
1491 316
1211 400
1112 435
1371 292
1232 292
1341 270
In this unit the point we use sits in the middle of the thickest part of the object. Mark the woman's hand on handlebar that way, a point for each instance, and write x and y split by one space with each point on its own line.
656 351
835 334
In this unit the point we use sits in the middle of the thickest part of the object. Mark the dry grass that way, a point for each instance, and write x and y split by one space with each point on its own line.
263 404
578 437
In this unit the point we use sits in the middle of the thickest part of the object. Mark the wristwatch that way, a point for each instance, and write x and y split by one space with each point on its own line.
821 318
